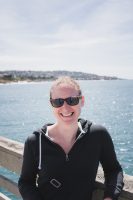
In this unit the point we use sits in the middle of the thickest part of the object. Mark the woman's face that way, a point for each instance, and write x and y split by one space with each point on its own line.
66 113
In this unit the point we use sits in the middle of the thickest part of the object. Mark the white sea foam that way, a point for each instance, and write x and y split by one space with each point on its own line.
123 150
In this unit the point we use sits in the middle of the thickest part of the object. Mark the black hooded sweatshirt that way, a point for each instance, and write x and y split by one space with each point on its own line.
48 173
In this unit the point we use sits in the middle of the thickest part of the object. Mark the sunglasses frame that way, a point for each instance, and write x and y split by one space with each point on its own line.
67 100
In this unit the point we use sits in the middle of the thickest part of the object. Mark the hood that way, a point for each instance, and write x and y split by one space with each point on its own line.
84 126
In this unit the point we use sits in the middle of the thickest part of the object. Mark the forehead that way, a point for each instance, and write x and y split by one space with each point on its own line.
64 91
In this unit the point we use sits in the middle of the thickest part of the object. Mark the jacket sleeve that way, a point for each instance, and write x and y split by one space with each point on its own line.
27 180
113 172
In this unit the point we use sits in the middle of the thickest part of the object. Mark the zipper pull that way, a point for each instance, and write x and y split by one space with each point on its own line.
67 158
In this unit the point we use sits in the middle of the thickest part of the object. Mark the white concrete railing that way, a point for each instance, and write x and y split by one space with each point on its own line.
11 158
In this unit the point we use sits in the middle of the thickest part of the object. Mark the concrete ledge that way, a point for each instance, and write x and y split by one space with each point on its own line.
11 154
11 146
128 183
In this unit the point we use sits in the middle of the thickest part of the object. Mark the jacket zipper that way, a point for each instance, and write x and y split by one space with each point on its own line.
66 154
67 157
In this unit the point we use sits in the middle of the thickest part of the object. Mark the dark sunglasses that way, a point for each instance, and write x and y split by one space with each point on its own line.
71 101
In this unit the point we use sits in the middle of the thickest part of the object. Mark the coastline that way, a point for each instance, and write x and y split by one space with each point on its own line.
2 82
43 81
38 76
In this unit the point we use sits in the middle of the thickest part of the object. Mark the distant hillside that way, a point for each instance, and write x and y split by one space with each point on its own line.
14 76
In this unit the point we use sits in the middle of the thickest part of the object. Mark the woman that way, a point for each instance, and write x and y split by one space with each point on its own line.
61 160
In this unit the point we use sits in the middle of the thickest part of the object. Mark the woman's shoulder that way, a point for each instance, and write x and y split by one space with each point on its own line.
32 138
98 128
92 126
101 131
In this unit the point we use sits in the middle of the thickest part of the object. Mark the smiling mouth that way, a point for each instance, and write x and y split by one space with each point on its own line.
67 115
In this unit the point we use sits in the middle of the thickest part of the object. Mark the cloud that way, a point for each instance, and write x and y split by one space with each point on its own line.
73 33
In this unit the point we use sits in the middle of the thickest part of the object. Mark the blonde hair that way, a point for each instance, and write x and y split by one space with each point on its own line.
66 80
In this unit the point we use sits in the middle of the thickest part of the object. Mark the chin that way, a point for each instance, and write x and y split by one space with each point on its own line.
68 120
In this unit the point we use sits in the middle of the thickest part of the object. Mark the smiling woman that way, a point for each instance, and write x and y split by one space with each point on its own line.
61 159
66 99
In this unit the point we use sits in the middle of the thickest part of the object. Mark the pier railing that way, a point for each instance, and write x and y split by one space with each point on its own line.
11 158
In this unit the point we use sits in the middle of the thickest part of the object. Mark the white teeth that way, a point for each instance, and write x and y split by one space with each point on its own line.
67 115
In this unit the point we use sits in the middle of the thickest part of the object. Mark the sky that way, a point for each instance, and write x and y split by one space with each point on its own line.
93 36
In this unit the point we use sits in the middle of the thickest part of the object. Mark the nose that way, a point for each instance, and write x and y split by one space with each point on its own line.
65 105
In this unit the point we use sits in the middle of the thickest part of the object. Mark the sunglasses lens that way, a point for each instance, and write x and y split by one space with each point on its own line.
72 101
57 102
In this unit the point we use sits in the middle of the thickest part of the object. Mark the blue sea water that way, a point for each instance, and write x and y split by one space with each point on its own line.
25 107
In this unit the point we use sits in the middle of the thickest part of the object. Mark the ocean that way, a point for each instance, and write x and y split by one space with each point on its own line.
25 107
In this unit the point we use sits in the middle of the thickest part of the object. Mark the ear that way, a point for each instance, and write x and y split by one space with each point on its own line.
82 101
